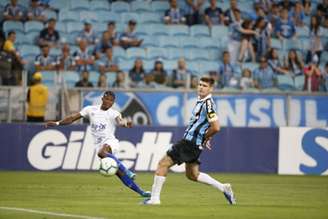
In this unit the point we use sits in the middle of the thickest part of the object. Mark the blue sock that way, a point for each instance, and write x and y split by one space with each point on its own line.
121 167
131 184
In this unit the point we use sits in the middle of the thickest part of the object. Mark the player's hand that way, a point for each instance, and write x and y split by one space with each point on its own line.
51 124
129 123
207 144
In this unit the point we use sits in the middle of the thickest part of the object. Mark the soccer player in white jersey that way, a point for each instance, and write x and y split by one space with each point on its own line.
103 120
202 126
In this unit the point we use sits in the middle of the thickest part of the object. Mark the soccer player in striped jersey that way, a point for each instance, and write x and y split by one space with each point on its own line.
103 121
202 126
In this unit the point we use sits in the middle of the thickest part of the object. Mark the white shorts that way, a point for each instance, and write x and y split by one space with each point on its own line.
113 143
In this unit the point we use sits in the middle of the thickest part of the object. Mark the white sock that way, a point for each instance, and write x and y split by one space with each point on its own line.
207 179
157 187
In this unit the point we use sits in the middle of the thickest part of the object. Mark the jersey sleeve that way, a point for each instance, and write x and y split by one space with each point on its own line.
85 112
210 111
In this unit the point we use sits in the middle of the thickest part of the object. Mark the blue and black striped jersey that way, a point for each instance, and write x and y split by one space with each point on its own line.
203 113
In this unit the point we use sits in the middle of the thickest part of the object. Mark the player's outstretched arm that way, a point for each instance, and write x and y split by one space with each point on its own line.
66 121
124 122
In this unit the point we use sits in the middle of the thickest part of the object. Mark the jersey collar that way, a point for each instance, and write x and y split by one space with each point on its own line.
201 100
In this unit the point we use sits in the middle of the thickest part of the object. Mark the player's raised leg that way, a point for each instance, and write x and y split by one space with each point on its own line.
122 172
193 173
160 176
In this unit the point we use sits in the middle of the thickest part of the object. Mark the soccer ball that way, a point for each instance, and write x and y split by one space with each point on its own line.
108 166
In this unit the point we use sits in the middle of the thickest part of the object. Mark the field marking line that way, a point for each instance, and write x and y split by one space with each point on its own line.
49 213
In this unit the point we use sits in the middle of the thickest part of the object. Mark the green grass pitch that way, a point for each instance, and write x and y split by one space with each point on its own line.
90 194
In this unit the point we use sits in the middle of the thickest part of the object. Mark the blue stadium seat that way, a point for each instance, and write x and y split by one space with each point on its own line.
149 41
156 52
276 43
29 38
50 14
214 54
285 82
159 29
143 30
197 54
160 6
93 77
193 67
188 42
135 52
69 16
178 30
125 65
99 27
208 43
61 27
149 65
120 7
140 6
168 42
48 78
175 53
33 26
60 4
16 26
90 16
199 30
302 32
80 5
299 82
105 16
29 50
169 65
206 66
70 77
100 5
250 65
119 52
219 31
150 18
55 52
74 27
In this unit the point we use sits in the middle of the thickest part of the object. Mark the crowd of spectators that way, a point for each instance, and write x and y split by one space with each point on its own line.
250 41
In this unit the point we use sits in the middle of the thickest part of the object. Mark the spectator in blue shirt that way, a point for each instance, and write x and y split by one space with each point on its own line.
137 74
230 14
13 11
45 61
36 12
88 34
113 34
298 15
101 46
129 37
174 15
193 8
285 28
263 39
264 76
180 75
83 58
274 62
108 63
213 15
65 61
227 73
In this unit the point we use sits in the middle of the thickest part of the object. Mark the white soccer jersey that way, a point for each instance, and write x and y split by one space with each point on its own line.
103 125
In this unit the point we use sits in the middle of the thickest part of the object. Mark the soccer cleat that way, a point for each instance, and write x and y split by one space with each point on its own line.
146 194
131 174
228 194
149 201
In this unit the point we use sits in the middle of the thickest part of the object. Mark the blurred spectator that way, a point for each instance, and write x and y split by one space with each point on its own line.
213 14
325 77
246 46
264 76
113 35
65 61
246 80
102 81
36 12
322 8
108 63
285 28
49 35
192 10
265 5
312 76
307 7
104 43
44 61
274 62
87 34
84 82
12 62
13 11
227 73
274 15
120 80
83 58
129 37
294 63
194 82
263 39
230 13
286 4
180 75
174 15
258 12
315 45
137 74
159 74
37 99
298 15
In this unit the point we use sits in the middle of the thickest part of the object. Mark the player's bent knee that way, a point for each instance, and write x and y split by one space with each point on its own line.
191 176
